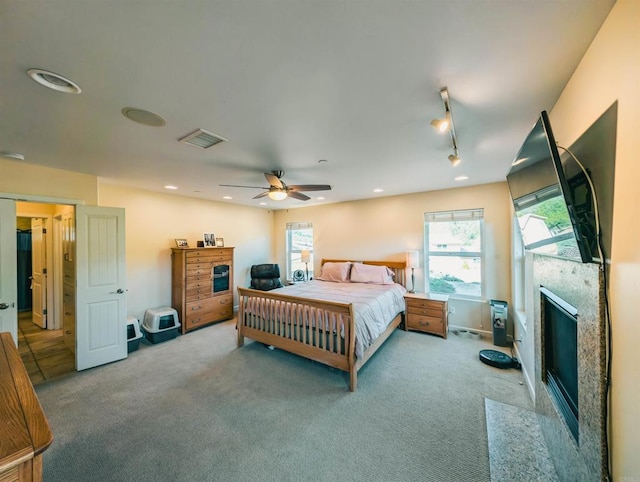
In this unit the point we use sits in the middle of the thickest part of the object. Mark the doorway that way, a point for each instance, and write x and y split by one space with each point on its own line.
45 350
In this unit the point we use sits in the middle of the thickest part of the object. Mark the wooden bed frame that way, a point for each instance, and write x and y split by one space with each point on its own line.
311 328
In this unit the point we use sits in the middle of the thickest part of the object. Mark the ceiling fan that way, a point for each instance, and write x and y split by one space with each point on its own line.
278 190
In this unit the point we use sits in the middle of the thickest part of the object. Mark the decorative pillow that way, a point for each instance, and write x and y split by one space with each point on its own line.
338 272
367 273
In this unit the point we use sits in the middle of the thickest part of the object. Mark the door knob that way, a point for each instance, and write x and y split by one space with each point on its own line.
4 306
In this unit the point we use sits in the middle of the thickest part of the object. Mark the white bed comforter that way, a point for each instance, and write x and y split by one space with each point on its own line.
374 306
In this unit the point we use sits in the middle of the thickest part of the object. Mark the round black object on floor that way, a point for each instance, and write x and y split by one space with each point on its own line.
496 359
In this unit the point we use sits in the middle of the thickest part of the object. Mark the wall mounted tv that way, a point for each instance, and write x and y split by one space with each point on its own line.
542 198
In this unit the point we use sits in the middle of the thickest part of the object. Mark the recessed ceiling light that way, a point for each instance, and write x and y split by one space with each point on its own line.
461 178
263 204
320 198
378 190
16 156
54 81
227 197
143 117
169 186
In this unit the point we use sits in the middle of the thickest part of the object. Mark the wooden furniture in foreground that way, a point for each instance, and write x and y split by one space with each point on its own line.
308 328
24 429
427 313
201 285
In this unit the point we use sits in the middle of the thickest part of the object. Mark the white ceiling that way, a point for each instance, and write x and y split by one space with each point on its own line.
287 82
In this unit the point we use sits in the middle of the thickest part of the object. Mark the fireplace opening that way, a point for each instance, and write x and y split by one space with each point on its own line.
560 356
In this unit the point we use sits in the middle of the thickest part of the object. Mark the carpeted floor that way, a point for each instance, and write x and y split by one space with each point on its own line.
197 408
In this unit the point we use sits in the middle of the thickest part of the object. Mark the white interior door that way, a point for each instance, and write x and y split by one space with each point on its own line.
38 272
101 321
8 269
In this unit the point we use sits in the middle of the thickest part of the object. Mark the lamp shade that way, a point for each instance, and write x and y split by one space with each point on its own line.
413 259
305 256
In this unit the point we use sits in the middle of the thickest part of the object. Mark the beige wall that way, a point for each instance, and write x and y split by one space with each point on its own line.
609 72
30 179
154 220
385 228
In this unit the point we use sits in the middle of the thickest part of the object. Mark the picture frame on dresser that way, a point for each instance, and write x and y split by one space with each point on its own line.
209 240
181 243
219 242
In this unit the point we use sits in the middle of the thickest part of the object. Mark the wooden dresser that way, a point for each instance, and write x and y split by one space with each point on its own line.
202 285
427 313
24 429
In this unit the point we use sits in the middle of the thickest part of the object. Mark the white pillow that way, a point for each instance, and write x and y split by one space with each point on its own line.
367 273
338 272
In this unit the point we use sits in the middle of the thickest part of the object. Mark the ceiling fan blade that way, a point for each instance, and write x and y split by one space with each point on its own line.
310 187
273 180
298 195
262 194
235 185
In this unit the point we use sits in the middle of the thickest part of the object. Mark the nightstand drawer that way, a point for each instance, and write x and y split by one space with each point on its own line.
434 313
427 324
425 304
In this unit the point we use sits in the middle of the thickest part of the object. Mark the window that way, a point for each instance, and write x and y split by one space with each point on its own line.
454 252
299 238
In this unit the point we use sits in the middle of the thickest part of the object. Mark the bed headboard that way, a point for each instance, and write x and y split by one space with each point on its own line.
398 267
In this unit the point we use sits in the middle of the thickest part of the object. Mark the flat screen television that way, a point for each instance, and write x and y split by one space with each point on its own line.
542 198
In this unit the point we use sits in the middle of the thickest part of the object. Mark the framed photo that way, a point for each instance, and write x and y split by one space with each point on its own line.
209 240
219 242
181 243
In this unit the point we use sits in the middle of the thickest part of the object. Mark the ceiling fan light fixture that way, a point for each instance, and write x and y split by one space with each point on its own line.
277 194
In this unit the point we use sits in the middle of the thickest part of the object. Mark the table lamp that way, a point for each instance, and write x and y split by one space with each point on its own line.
305 257
413 262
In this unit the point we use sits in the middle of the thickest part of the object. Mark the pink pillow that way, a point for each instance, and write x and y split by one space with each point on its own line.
367 273
338 272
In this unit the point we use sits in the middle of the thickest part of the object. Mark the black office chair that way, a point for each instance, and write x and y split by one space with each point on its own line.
265 277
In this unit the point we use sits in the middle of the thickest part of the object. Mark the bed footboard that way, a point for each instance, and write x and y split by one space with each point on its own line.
323 331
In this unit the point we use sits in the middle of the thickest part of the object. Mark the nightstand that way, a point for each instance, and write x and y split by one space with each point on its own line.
426 312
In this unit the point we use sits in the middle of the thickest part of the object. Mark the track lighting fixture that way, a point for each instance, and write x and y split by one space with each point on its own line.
454 159
447 124
441 125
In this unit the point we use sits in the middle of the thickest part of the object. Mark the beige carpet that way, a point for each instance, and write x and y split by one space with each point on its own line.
197 408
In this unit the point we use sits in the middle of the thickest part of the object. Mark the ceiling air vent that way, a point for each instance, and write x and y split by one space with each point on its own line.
202 139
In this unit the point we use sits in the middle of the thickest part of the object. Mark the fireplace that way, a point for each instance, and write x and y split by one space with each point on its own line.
560 356
578 452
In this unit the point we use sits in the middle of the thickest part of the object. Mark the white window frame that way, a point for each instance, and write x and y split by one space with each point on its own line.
291 252
450 216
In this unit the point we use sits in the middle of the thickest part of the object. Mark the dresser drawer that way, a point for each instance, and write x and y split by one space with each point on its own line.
426 324
207 256
196 294
212 309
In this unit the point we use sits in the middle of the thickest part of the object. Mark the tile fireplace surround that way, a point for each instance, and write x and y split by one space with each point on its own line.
582 286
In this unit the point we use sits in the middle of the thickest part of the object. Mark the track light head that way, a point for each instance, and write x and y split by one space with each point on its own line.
441 125
454 159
